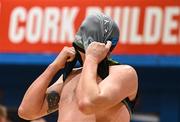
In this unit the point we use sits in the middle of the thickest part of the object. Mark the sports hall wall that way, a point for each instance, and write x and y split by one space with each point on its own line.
33 32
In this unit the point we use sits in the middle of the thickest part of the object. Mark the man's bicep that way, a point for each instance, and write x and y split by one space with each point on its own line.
52 98
117 86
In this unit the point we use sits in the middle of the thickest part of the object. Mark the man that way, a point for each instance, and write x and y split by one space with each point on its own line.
99 91
3 114
39 120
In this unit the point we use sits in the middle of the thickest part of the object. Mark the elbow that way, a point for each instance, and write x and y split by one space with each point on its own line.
85 107
25 114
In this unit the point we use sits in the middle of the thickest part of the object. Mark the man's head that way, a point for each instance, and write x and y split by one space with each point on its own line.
3 114
97 27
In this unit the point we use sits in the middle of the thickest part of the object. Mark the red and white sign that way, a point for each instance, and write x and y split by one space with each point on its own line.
146 27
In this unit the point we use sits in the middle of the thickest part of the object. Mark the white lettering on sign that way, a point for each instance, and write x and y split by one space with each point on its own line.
157 26
67 30
57 25
51 20
91 10
170 24
16 32
34 25
52 25
117 16
153 25
124 26
135 37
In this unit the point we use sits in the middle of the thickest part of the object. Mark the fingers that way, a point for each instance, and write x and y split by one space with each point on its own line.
71 54
72 49
108 45
70 58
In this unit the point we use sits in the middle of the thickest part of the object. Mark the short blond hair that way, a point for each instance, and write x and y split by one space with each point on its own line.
3 111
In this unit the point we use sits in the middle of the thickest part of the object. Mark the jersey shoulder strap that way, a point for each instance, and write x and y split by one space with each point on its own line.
112 62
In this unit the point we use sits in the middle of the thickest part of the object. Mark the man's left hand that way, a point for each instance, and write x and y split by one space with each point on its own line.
98 51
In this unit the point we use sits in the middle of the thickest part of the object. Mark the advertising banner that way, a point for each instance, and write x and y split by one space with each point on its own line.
46 26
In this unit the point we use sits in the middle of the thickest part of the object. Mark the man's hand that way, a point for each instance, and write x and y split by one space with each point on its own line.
66 55
98 51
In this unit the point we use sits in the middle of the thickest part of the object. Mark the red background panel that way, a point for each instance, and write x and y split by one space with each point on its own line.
7 6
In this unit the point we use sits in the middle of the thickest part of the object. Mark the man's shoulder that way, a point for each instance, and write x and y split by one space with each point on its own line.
126 75
122 68
113 69
124 72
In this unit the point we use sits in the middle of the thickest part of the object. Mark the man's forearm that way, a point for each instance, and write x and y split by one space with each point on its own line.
34 96
88 87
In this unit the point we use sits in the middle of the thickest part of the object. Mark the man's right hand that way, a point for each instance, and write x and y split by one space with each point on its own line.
67 54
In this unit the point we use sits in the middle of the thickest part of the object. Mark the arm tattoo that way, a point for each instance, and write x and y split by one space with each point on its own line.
53 100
